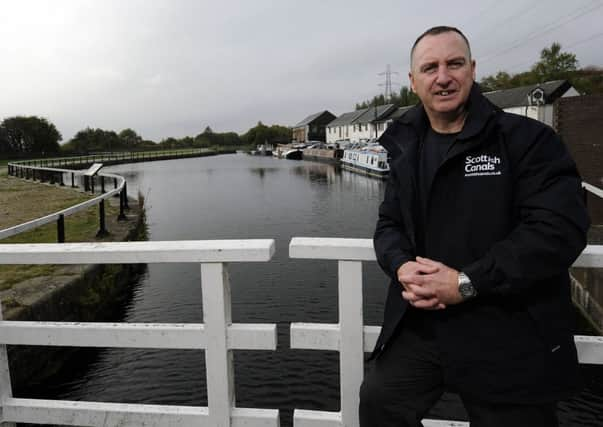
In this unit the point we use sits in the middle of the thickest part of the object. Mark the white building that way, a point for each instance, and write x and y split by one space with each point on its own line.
535 101
359 126
340 129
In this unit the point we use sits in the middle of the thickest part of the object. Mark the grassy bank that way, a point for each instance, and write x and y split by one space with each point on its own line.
22 201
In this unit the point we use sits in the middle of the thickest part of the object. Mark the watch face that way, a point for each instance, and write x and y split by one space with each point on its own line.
466 290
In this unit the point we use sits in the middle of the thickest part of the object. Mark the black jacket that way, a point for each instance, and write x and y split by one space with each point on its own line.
504 207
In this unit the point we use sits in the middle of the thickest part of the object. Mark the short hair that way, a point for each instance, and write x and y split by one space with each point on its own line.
434 31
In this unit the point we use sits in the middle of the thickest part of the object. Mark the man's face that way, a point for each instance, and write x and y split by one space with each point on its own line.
442 73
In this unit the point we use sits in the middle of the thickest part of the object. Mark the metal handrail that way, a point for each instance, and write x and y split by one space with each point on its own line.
120 185
592 189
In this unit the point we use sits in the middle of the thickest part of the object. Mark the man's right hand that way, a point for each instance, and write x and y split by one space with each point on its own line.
409 274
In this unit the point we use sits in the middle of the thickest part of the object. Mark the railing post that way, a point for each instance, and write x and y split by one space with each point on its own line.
6 391
102 184
218 359
114 183
92 184
102 230
122 215
61 229
351 350
126 206
61 182
72 180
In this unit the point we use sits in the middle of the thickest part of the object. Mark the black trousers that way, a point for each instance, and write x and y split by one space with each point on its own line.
406 380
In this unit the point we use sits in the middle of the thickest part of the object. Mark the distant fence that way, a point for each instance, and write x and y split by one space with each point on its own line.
117 157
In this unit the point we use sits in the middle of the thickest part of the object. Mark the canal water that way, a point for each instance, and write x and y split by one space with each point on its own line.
244 197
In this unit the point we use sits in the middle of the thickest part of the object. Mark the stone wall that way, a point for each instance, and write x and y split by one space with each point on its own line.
579 121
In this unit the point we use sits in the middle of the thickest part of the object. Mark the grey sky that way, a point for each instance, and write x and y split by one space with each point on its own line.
172 67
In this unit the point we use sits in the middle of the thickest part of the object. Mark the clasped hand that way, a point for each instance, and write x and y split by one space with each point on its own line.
429 284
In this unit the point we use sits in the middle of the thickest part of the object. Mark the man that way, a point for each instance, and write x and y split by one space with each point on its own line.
481 219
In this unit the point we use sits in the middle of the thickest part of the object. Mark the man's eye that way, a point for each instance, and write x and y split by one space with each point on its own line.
429 69
455 65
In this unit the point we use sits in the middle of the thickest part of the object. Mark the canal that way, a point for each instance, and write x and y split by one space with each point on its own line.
243 197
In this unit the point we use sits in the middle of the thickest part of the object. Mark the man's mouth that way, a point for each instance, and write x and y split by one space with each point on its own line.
445 92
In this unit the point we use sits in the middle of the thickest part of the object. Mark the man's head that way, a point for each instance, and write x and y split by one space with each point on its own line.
442 71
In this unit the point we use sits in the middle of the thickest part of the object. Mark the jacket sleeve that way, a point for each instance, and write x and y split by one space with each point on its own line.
392 245
551 220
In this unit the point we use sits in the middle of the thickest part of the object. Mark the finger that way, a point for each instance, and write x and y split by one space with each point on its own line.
421 291
427 269
428 304
413 278
410 297
427 261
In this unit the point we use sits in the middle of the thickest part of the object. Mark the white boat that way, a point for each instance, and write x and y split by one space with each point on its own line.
368 159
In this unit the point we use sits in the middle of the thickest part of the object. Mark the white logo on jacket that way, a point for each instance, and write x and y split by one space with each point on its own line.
481 165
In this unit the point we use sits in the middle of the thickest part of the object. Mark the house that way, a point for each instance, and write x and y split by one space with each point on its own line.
339 130
370 125
535 101
360 125
312 128
388 119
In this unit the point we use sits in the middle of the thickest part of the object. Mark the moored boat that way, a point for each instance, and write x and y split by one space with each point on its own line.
368 159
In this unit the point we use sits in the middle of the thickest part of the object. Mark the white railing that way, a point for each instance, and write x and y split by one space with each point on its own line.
592 189
218 336
351 338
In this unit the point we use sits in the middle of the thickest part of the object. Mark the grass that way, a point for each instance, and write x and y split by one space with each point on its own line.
21 201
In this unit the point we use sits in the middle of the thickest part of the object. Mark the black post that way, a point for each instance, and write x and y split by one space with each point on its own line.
72 180
92 184
114 183
102 184
61 178
61 229
102 231
126 196
86 183
122 215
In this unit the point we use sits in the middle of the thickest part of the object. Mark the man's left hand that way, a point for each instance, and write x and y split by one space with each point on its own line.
444 284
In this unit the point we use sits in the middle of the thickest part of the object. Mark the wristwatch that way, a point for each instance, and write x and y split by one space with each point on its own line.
466 289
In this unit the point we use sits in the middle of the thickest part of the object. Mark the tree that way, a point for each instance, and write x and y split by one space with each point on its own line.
94 140
404 98
554 64
28 135
130 139
261 134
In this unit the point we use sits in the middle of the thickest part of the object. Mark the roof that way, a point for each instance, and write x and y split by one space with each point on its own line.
397 113
347 118
519 96
372 114
311 118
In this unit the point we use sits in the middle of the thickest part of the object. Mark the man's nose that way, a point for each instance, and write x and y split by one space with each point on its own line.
443 78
